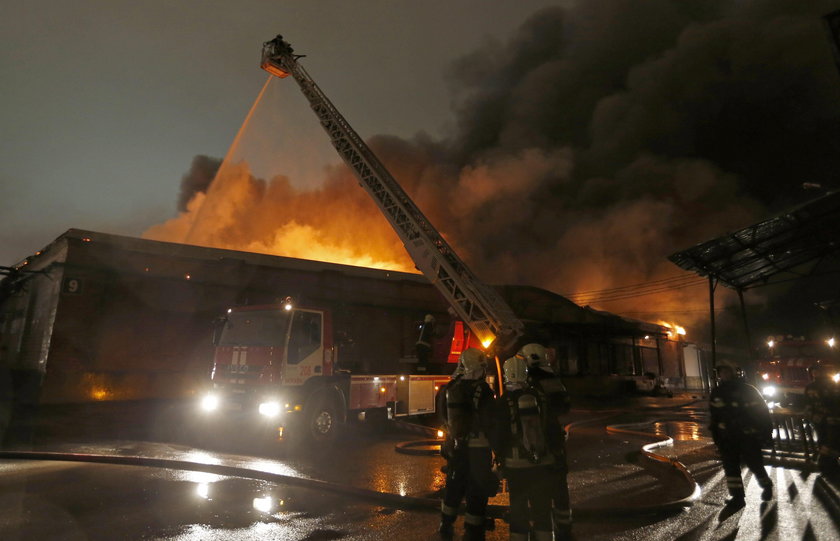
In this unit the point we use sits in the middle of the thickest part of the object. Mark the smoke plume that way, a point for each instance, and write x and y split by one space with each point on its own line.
598 139
202 172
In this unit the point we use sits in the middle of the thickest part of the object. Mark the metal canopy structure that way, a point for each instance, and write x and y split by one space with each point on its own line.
788 246
791 244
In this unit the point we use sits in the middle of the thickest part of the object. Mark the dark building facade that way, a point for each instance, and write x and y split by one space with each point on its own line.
95 316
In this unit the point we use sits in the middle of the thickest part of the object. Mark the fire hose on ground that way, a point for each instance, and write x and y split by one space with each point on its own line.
431 447
382 498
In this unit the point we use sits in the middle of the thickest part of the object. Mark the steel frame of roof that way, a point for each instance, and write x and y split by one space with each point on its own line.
793 244
783 244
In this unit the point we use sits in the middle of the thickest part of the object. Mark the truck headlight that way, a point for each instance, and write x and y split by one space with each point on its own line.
210 402
270 409
769 391
836 377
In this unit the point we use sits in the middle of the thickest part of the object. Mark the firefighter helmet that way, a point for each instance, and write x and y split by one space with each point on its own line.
429 318
472 361
535 355
727 364
515 370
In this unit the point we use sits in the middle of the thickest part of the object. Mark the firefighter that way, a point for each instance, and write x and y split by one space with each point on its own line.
423 347
447 448
542 376
521 440
740 426
823 410
469 407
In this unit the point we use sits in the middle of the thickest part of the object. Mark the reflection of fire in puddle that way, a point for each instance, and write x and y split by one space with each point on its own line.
678 430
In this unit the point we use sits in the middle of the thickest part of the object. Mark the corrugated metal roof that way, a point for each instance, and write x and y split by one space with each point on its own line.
785 244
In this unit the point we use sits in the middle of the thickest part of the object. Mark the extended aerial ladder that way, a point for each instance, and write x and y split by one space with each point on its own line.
477 304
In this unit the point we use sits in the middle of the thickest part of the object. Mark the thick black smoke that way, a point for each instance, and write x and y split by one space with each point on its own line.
603 136
746 85
201 174
614 132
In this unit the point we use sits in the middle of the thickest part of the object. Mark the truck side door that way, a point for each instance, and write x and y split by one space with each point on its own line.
305 349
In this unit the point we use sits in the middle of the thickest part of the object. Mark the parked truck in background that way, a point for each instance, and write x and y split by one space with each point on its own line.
783 370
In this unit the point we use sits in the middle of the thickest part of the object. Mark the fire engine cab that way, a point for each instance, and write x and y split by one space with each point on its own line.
281 365
784 371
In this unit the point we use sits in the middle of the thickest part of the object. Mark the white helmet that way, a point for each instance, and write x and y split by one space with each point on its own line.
472 360
535 355
515 371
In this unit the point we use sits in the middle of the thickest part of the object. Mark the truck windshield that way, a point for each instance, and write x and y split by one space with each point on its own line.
255 328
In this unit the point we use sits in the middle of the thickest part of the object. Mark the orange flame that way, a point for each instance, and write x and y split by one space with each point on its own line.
335 223
674 330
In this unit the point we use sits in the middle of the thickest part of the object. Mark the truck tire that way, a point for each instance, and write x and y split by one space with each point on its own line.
322 419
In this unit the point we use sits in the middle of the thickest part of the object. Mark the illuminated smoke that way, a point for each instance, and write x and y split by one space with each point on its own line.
335 222
598 139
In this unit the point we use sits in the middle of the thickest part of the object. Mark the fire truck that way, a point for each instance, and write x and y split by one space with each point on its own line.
283 363
784 370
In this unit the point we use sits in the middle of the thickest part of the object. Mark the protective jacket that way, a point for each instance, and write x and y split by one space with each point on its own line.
823 409
551 384
442 409
823 402
527 439
468 405
738 411
524 433
740 426
427 334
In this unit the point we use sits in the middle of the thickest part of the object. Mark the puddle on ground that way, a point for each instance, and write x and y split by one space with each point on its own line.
679 430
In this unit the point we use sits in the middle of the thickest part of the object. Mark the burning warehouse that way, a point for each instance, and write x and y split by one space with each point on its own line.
97 317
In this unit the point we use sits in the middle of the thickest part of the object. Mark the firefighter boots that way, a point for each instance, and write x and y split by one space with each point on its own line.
446 529
766 489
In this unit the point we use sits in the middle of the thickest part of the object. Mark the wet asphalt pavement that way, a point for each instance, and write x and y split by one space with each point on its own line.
617 493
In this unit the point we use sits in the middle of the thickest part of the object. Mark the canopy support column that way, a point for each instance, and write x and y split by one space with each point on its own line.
746 329
712 285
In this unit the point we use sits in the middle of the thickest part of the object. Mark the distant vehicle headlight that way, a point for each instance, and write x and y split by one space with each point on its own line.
769 391
836 377
210 402
270 409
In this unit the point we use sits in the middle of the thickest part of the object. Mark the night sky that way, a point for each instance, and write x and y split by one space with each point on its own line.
105 103
569 145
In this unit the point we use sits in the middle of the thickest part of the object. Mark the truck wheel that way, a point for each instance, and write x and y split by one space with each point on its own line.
322 420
